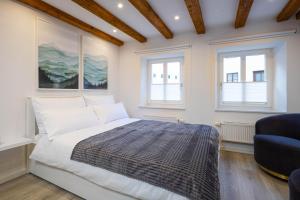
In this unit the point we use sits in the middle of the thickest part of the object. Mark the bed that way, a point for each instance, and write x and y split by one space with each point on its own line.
63 162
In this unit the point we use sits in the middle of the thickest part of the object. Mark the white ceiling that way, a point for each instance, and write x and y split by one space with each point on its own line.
215 13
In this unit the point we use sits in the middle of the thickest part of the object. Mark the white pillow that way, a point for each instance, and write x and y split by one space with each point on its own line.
111 112
58 122
99 100
43 104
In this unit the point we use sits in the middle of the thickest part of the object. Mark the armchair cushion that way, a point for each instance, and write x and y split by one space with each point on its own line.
279 141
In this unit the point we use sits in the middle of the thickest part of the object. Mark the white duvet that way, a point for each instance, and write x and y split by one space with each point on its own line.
57 153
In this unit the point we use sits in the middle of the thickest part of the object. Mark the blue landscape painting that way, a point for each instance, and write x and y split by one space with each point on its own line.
95 72
58 69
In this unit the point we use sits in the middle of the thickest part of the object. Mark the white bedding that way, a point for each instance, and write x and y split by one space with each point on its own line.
57 153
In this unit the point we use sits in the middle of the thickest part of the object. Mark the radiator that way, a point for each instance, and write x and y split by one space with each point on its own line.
237 132
162 118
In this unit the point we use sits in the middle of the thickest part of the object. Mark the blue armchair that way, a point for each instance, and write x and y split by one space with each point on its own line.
277 144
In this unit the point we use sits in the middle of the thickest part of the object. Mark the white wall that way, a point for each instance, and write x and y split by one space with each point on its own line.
18 70
18 65
200 96
280 75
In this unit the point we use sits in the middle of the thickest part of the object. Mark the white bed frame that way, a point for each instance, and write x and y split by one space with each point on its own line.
64 179
75 184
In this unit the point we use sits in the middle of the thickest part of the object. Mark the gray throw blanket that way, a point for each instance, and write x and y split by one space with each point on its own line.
181 158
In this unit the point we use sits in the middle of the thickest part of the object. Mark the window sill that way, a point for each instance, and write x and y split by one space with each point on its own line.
249 111
167 107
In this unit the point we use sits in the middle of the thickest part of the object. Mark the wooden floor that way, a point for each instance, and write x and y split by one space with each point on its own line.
240 179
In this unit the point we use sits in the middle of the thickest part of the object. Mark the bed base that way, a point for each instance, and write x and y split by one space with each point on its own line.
75 184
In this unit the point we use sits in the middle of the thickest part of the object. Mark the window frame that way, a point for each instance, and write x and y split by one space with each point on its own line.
261 73
244 105
232 77
149 82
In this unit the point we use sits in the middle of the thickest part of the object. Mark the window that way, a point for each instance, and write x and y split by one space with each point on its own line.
244 79
232 77
258 76
165 81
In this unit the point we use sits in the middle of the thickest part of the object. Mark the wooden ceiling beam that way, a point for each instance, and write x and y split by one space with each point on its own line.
63 16
242 13
104 14
147 11
194 9
289 10
298 15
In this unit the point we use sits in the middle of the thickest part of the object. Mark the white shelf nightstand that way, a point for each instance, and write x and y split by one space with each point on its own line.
11 144
16 142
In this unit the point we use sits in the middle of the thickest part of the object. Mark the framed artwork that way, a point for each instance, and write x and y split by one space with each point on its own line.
58 57
95 64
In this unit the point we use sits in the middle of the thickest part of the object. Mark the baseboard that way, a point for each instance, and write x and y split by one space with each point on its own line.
237 147
15 174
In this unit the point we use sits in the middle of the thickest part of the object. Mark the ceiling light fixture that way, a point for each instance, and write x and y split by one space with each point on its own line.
120 5
177 17
114 30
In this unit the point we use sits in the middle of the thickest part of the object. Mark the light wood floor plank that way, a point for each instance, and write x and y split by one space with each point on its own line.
240 179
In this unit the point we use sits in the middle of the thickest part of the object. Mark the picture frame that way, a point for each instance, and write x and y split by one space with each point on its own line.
58 57
95 65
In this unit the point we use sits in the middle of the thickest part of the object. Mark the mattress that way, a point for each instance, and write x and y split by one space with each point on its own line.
57 153
182 158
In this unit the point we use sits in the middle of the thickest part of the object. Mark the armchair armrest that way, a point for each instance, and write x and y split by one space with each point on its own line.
284 125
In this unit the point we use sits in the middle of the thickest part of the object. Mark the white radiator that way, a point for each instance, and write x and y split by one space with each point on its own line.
237 132
162 118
